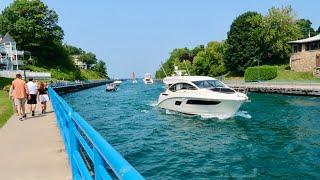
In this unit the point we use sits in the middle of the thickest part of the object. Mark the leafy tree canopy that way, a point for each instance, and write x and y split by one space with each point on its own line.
210 61
89 58
200 60
254 39
72 50
306 28
100 67
35 28
242 48
279 27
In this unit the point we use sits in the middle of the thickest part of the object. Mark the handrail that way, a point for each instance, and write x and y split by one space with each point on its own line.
78 137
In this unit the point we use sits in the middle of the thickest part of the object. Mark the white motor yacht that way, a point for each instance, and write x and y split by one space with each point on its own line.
148 79
200 95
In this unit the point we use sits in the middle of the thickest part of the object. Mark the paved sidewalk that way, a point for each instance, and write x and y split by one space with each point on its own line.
33 149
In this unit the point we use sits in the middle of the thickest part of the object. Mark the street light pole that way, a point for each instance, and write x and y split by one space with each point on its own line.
27 62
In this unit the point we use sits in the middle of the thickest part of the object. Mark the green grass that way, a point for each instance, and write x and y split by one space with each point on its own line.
66 75
284 74
6 109
288 75
89 75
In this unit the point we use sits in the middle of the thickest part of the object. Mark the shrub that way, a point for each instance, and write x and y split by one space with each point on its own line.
4 82
260 73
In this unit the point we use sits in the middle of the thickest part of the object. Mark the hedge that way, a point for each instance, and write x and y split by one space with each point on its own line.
4 82
260 73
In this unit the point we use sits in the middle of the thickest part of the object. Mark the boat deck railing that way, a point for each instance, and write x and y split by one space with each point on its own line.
90 155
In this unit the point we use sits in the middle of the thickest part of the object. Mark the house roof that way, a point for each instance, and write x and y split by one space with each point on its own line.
7 38
307 40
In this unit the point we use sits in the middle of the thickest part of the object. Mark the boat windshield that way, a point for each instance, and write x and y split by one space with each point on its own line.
208 84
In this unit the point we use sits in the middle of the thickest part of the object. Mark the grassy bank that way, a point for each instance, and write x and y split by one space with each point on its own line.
66 75
284 74
6 109
287 75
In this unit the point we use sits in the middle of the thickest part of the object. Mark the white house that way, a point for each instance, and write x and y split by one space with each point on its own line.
10 57
77 62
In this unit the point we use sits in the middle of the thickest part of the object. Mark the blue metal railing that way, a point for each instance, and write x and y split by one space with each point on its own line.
80 138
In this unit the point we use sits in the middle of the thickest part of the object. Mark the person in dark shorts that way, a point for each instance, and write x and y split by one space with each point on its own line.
43 97
32 99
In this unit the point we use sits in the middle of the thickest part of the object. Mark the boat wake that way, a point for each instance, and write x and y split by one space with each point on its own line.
144 111
243 114
153 103
170 112
214 116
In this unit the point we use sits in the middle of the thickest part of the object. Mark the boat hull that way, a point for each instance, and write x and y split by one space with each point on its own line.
222 109
150 81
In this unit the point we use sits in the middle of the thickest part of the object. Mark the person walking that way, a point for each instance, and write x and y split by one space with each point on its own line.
12 100
20 93
33 93
43 97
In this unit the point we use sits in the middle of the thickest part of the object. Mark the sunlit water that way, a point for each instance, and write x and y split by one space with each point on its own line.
272 136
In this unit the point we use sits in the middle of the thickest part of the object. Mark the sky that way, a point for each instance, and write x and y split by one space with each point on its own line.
137 35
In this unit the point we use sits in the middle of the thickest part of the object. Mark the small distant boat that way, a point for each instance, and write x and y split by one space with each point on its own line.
111 87
134 80
148 79
117 82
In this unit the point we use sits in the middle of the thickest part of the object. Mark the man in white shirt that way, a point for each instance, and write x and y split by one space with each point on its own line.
33 92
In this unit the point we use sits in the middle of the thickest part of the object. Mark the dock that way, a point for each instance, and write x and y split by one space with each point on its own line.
287 88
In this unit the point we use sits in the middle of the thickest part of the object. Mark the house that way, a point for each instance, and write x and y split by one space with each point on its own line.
77 62
10 57
305 56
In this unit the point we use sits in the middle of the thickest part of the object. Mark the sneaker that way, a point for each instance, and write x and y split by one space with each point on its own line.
20 119
32 113
24 116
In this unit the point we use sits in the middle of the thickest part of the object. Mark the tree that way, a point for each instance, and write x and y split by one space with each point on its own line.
306 28
100 67
88 58
318 31
34 27
210 61
278 28
242 48
72 50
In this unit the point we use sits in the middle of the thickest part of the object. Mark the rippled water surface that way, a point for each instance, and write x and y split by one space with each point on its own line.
272 136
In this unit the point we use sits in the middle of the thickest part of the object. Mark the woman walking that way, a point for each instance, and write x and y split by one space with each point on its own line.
43 97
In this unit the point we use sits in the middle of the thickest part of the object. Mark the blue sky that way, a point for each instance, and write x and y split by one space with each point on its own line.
136 35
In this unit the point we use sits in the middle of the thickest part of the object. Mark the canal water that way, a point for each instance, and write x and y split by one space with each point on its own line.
272 136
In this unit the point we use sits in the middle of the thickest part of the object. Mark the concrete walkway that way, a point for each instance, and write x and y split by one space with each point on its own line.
33 149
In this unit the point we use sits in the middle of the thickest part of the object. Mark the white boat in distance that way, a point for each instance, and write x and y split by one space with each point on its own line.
200 95
148 79
111 87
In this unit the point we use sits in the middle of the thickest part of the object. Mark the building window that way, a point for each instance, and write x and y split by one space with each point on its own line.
297 48
313 45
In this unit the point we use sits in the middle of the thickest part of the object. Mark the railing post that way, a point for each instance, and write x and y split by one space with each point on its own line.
97 162
73 144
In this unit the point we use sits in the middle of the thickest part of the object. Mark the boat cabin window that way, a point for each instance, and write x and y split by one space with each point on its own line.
207 84
182 86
